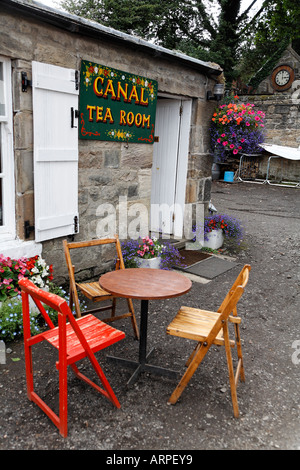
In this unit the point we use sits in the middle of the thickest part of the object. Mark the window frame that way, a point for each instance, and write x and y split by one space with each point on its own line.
8 229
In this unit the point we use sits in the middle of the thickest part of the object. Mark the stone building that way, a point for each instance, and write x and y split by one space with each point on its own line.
278 96
58 177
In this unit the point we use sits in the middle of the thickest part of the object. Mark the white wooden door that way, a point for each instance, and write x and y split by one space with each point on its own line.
169 169
55 151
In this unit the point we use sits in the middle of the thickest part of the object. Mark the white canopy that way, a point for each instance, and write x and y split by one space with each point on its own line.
291 153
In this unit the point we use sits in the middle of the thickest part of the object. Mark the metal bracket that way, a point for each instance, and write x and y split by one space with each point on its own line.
74 113
28 228
25 82
76 224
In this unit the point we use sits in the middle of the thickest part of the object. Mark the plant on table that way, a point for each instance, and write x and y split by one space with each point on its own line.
236 128
147 248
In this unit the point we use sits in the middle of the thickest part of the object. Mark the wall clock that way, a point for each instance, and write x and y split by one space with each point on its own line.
282 77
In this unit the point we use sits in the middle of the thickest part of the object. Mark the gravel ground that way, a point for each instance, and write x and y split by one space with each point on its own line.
202 419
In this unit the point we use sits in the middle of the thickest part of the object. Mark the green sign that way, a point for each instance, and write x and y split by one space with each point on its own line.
116 106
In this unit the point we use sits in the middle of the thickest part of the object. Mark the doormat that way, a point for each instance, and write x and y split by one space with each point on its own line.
211 267
189 257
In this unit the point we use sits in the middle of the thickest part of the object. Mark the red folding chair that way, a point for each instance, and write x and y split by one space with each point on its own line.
74 339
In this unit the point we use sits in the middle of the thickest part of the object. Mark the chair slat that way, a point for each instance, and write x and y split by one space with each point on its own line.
99 335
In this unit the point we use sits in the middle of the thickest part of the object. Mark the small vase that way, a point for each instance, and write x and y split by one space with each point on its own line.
215 239
152 263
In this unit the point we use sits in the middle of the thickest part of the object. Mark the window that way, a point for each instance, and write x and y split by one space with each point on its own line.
7 187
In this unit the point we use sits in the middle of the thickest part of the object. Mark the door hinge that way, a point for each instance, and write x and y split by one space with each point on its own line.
76 79
173 217
74 114
180 110
76 224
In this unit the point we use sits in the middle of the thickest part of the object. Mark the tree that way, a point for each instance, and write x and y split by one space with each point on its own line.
210 30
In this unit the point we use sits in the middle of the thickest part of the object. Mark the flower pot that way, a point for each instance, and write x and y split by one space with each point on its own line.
215 171
152 263
215 239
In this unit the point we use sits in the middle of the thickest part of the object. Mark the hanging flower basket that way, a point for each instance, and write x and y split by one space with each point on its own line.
237 128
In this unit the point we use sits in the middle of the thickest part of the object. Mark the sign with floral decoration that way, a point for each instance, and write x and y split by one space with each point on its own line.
116 106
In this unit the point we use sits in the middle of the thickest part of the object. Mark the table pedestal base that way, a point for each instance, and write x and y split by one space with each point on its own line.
143 367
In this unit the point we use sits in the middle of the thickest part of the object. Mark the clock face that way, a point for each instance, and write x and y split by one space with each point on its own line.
282 77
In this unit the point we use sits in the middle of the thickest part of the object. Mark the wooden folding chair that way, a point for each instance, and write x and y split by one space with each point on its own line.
92 290
74 339
209 328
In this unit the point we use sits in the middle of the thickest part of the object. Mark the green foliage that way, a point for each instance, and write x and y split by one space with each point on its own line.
11 317
11 320
210 30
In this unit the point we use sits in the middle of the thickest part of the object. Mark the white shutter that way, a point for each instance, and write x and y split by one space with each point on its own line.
55 151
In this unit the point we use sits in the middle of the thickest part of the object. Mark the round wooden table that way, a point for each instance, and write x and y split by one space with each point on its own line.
145 285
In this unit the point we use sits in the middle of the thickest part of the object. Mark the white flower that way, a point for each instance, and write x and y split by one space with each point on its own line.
96 69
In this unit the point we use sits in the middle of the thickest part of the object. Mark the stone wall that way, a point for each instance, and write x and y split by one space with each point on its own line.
282 123
106 170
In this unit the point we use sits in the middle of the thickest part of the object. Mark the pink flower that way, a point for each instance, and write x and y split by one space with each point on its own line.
235 151
242 140
225 143
247 123
218 140
231 146
223 135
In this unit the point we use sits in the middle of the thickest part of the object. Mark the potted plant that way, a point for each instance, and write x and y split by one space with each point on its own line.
237 128
217 227
151 253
